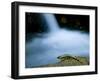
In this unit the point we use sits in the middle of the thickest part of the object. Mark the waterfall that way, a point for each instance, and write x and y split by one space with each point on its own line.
58 41
51 22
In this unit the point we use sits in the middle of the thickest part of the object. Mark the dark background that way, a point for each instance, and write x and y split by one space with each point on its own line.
35 23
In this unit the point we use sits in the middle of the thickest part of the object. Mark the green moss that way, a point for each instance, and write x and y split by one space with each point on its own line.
68 60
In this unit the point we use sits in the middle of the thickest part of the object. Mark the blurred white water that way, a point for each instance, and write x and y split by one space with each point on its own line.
51 21
45 50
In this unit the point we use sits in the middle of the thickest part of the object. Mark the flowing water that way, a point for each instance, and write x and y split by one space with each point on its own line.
45 50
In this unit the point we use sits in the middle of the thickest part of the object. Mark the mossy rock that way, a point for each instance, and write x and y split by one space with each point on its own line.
68 60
